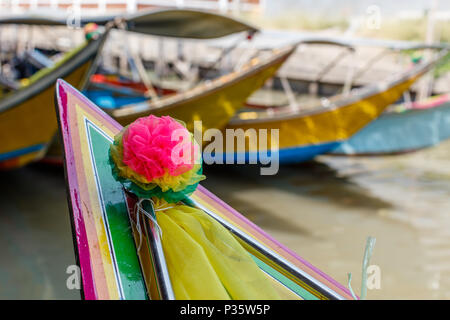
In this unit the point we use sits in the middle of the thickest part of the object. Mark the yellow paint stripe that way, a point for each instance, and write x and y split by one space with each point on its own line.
333 125
100 242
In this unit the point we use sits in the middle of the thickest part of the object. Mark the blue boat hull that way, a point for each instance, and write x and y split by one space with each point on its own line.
285 156
399 132
107 100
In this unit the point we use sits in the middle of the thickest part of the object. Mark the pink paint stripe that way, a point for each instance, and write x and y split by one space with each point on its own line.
105 117
432 102
213 197
78 221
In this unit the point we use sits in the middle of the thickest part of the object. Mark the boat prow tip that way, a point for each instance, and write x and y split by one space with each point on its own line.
61 83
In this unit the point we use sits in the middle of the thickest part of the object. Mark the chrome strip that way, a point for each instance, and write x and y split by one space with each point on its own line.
329 293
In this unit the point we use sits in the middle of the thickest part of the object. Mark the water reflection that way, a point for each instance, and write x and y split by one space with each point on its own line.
35 235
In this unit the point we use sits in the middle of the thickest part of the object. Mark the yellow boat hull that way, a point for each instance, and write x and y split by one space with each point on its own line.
27 116
31 126
215 102
305 134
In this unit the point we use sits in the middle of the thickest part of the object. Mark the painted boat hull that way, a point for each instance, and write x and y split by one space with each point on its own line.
112 92
27 116
103 234
401 132
214 102
285 156
306 134
108 100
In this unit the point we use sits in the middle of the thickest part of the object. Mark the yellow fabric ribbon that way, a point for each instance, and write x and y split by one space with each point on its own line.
205 260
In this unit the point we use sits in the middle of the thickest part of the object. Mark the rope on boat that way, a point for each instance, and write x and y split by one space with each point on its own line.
138 208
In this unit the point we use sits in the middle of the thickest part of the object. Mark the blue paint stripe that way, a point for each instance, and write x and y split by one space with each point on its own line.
286 155
305 153
20 152
106 100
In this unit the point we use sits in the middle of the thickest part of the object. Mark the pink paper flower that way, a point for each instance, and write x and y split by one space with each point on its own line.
153 146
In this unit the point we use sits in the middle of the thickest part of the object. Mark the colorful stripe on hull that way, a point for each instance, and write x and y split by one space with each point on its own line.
104 244
21 152
27 116
324 125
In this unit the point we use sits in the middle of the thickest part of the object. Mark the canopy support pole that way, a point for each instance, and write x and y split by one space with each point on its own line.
407 98
370 63
151 93
289 93
332 64
227 50
426 85
349 77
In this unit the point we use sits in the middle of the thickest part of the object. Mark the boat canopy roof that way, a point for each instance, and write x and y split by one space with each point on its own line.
341 100
421 46
178 23
327 41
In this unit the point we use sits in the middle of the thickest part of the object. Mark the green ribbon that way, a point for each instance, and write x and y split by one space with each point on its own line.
170 196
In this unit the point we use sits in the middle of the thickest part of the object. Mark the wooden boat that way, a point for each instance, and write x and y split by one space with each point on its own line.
305 134
213 102
226 95
301 77
27 117
106 82
114 91
105 240
402 129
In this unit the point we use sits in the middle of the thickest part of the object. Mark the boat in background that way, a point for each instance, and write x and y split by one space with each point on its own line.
178 23
404 128
27 116
213 102
306 134
112 91
104 238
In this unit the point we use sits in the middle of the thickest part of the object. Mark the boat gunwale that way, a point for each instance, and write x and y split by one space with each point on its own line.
66 163
214 86
68 189
89 52
393 112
